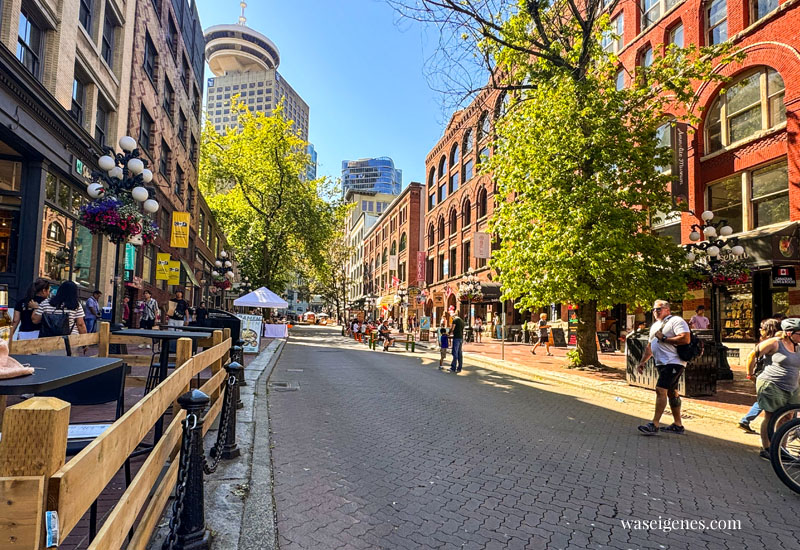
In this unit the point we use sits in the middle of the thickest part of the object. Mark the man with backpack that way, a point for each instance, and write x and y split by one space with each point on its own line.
667 333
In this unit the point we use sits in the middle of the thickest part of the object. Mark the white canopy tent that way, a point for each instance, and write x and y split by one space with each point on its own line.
262 297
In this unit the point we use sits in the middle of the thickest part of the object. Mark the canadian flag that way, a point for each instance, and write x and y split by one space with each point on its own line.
395 281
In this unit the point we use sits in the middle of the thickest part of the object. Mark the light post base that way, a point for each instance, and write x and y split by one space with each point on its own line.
724 371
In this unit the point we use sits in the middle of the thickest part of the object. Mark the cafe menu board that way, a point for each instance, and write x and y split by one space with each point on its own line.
606 342
558 337
251 332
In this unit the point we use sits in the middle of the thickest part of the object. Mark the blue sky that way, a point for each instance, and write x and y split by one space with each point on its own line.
361 71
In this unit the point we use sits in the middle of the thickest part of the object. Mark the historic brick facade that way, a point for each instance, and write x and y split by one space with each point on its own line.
396 234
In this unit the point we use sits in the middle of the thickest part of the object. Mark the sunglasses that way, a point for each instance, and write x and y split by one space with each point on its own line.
657 309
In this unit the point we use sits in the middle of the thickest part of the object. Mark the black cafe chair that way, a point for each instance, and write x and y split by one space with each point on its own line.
104 388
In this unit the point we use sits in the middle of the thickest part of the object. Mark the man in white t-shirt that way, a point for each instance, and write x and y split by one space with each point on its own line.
667 332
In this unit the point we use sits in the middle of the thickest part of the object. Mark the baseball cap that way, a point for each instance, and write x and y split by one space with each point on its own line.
790 324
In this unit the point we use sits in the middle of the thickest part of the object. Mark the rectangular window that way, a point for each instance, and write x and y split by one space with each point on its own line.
429 271
717 20
620 81
169 98
192 150
201 226
182 128
78 100
101 123
465 256
725 201
172 38
107 48
763 7
29 43
185 75
363 206
676 36
651 12
441 267
150 59
85 15
178 186
453 265
612 40
146 131
770 195
147 263
163 160
442 192
431 201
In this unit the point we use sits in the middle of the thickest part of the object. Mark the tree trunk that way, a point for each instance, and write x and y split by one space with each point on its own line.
587 334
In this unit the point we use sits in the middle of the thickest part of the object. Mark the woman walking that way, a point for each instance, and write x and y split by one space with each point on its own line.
22 326
769 328
478 329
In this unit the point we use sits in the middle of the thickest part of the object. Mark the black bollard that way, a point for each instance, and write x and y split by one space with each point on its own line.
231 449
238 355
192 533
238 370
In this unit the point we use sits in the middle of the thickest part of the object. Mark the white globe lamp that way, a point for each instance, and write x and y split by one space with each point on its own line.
218 263
691 256
737 250
150 206
710 231
127 143
140 194
707 216
147 176
694 236
115 172
726 230
95 190
713 251
106 163
135 166
229 274
215 273
223 254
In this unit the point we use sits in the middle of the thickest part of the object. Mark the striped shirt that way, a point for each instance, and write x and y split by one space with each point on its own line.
76 313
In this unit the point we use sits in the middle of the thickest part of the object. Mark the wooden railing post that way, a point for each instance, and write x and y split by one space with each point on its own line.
217 338
183 352
226 333
34 443
105 339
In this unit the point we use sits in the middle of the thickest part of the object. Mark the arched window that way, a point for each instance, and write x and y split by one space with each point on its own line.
441 228
502 105
482 203
453 221
751 104
384 256
403 242
484 126
432 177
454 156
55 232
442 167
394 248
469 142
466 213
431 235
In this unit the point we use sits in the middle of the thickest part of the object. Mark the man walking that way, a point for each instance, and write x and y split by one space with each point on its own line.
178 310
92 312
668 332
149 311
458 340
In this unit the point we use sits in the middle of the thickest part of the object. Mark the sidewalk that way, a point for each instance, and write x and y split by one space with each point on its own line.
729 404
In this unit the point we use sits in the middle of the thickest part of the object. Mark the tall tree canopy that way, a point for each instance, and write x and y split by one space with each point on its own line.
575 156
254 179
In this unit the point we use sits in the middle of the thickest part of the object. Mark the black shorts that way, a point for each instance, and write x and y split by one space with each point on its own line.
669 376
543 339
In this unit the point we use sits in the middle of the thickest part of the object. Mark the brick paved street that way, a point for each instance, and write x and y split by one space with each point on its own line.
381 450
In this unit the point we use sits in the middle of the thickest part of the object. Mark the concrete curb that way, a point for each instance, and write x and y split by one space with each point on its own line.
258 529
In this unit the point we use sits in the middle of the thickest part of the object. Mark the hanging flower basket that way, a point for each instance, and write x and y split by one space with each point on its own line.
117 220
222 283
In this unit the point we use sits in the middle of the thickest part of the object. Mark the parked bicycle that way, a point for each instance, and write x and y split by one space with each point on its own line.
785 452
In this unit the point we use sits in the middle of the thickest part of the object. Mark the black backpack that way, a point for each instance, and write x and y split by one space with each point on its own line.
692 350
57 324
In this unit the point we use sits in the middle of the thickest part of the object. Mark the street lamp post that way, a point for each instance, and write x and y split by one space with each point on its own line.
469 291
709 240
222 274
402 294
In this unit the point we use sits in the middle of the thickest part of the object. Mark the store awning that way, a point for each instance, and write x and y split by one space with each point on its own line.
491 292
189 272
388 300
772 246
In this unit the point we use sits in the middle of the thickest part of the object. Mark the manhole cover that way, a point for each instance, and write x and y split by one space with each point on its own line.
284 386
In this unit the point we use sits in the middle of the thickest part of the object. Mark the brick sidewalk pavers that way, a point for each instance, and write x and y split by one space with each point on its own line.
382 450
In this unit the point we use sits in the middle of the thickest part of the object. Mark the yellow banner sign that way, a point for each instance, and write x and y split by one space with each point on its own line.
162 267
174 273
180 230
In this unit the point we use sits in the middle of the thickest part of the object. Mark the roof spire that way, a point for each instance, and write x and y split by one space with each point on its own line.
242 18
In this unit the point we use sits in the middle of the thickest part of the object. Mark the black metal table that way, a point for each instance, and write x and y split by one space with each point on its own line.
165 336
193 328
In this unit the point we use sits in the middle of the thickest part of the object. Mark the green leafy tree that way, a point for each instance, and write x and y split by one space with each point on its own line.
574 158
253 178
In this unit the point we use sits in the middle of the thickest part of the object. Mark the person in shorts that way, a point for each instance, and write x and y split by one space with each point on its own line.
543 338
444 343
667 333
778 386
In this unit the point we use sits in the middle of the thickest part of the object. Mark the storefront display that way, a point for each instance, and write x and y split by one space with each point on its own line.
737 313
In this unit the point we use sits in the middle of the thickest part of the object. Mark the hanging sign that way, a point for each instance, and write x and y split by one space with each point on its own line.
680 164
130 257
162 266
438 299
174 273
483 245
393 263
180 230
784 276
420 267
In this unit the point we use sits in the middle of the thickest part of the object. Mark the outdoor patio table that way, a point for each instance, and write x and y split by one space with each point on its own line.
51 372
165 336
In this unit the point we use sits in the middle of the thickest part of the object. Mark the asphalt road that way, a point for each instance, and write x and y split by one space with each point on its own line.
382 450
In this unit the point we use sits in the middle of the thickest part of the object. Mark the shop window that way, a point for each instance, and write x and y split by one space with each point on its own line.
10 174
9 237
717 21
761 8
750 105
30 41
84 257
725 201
770 195
56 245
109 37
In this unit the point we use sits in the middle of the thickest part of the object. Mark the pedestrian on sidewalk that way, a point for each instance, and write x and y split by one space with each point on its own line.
769 328
458 341
357 331
668 332
150 311
543 338
497 326
478 329
699 320
777 386
444 343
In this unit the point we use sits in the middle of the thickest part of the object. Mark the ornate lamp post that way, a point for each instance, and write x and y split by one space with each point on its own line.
710 240
402 295
469 291
118 190
222 274
245 285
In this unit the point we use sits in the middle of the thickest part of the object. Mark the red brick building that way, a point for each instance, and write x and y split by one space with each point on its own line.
744 158
390 251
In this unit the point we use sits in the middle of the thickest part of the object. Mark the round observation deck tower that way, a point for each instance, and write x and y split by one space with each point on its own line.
238 48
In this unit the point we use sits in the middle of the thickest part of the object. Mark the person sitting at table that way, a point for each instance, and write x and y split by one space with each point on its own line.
24 308
65 300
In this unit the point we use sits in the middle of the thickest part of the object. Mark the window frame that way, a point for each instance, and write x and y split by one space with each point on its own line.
25 47
708 25
77 104
146 144
86 12
150 61
108 39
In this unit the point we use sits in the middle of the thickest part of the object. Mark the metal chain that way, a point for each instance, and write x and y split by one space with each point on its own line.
216 450
189 424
